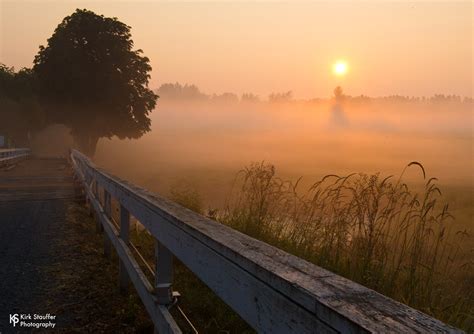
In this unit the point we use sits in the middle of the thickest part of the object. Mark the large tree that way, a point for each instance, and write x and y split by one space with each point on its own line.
92 80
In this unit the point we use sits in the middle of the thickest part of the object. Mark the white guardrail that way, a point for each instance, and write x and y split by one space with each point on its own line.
11 155
273 291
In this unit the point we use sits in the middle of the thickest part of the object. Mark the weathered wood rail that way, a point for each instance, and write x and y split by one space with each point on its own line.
11 155
272 290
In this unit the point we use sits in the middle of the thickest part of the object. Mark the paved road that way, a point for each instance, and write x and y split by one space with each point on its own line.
51 258
33 200
37 179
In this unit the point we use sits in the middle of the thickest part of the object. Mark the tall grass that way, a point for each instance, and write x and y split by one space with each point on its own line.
373 230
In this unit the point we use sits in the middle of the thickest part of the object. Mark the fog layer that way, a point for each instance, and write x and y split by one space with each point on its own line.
205 143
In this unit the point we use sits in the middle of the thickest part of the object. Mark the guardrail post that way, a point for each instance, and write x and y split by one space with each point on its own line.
164 274
108 211
124 280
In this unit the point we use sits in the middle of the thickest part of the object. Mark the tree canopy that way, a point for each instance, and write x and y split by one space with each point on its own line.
20 112
91 79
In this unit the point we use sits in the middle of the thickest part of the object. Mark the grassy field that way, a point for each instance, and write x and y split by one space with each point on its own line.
403 241
373 229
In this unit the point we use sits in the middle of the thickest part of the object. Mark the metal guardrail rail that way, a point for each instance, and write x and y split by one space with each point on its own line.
11 155
273 291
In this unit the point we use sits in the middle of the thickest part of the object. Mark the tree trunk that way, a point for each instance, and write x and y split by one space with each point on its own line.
86 143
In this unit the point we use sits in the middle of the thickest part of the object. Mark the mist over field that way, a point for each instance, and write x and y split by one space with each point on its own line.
206 142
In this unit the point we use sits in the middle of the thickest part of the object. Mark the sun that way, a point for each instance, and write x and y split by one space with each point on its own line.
340 68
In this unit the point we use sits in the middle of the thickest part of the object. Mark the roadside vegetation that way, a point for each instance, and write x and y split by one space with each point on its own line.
378 231
203 310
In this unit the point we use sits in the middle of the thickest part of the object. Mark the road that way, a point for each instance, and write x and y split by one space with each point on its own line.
51 258
33 199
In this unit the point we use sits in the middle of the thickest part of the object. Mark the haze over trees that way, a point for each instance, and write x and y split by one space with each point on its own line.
177 91
249 97
338 93
91 80
191 92
280 97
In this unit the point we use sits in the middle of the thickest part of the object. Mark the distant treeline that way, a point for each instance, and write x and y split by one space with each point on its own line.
177 91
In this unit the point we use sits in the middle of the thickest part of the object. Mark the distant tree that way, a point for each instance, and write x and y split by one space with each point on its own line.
249 97
441 98
338 93
361 99
280 97
92 81
177 91
225 97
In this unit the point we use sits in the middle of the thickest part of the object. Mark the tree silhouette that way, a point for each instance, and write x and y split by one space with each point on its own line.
177 91
20 112
280 97
91 80
249 97
338 93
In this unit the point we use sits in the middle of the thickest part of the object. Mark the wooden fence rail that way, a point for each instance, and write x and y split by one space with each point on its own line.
273 291
11 155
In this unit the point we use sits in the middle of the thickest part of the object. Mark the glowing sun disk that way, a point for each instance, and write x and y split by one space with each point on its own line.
340 68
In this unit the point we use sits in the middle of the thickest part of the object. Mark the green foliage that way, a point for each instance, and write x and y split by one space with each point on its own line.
369 229
93 81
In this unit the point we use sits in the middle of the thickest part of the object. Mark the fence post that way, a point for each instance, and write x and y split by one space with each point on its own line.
108 213
164 274
95 190
124 235
79 193
89 183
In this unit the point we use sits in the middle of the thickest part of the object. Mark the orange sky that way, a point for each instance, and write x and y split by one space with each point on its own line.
407 48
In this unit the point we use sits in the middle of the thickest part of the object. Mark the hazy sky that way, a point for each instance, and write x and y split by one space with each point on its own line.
408 48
